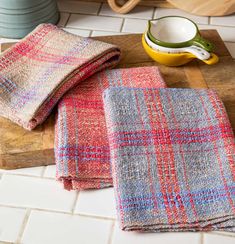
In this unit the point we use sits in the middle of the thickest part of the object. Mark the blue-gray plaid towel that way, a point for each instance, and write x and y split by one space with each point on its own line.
173 158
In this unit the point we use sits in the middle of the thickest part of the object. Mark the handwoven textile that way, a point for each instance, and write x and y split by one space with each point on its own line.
81 143
37 71
173 159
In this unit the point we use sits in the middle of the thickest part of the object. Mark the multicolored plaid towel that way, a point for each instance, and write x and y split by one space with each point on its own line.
37 71
173 159
81 142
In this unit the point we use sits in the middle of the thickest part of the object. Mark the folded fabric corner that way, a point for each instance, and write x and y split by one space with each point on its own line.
37 71
173 159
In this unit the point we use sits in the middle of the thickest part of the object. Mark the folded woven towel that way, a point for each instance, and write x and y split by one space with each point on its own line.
37 71
81 142
173 159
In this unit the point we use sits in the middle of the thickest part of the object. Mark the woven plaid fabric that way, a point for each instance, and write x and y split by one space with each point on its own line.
37 71
81 142
173 159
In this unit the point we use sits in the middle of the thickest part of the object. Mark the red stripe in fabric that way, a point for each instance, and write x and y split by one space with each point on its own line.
34 38
49 57
217 153
177 186
170 156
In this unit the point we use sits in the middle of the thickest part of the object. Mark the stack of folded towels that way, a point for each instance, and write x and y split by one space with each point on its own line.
169 153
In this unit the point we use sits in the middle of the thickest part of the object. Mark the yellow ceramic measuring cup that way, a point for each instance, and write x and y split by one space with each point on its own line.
174 59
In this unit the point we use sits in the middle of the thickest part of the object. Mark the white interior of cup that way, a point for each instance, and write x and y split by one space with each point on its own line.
173 29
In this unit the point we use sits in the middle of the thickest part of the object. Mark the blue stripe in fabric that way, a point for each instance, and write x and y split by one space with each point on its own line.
85 147
76 150
81 158
7 84
76 136
172 136
144 204
58 144
65 136
24 98
198 197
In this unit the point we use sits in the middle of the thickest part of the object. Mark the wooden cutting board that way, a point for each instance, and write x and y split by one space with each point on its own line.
20 148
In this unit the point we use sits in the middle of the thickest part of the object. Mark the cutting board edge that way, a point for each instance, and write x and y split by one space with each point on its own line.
29 159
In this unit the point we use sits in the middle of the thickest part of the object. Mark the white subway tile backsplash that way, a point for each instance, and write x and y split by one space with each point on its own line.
224 20
105 33
32 171
37 193
79 32
161 12
90 22
217 239
11 220
50 171
226 33
96 203
49 228
134 25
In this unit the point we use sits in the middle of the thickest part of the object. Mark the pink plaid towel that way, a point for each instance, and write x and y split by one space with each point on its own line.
173 159
81 142
36 72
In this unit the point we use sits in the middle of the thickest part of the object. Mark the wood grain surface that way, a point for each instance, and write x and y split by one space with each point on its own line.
20 148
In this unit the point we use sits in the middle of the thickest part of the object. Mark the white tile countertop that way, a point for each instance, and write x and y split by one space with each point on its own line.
35 209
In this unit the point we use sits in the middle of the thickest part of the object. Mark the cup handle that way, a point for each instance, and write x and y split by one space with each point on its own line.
199 52
212 60
203 43
127 7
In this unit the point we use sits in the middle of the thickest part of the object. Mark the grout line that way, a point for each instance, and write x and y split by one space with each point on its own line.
43 172
228 26
227 234
110 240
126 17
22 228
66 22
74 28
98 12
19 174
14 207
75 202
58 212
81 28
122 25
201 238
114 17
95 217
6 242
49 178
154 12
229 41
30 176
